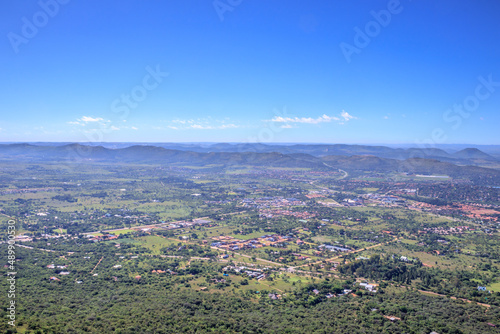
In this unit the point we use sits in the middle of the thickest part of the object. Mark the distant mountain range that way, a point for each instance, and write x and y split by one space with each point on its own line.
346 157
465 156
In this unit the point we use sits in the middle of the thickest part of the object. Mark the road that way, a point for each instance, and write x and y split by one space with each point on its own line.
453 297
158 224
338 256
42 249
97 264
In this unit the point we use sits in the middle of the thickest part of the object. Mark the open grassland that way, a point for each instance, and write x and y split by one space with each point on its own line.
155 243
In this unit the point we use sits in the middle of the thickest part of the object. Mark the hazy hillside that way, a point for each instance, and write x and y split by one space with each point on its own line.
160 155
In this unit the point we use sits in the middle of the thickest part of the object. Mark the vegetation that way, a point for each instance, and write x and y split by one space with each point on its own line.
253 244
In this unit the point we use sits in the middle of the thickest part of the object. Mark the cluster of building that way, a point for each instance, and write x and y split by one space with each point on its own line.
250 272
446 230
271 202
233 244
176 225
27 190
333 248
103 237
270 213
384 199
352 202
315 194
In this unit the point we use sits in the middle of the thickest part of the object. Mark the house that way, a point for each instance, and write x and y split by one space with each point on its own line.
334 248
272 296
369 287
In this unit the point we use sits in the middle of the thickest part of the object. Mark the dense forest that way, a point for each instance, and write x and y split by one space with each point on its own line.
128 305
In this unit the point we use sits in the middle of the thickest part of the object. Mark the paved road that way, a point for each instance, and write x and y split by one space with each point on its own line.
42 249
158 224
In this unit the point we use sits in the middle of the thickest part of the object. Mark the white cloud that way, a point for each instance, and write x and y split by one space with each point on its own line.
307 120
134 128
87 119
201 124
344 117
286 126
210 127
386 117
201 127
114 128
228 126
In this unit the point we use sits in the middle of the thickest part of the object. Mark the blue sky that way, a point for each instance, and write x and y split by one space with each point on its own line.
421 72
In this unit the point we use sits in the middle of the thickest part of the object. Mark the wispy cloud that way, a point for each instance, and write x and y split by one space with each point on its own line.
213 127
228 126
84 120
343 117
87 119
201 127
201 124
307 120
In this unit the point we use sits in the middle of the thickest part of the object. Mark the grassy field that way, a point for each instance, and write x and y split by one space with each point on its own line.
249 236
155 243
122 231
